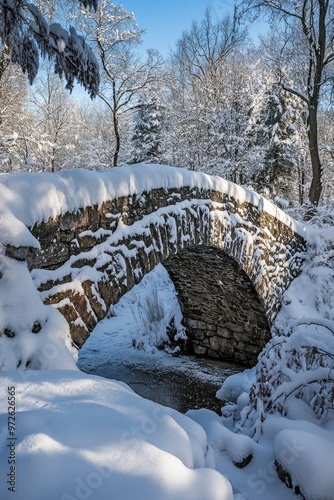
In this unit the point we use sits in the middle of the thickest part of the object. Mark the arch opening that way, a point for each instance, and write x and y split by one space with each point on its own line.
221 309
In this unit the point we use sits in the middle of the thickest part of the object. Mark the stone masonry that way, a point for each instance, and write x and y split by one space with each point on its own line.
221 309
90 258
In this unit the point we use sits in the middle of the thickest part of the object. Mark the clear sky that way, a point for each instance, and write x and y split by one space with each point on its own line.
166 19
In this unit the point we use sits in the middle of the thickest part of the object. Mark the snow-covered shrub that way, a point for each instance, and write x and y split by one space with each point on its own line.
33 336
149 316
324 216
157 315
298 361
299 366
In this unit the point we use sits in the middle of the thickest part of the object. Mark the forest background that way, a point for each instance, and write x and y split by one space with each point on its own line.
220 102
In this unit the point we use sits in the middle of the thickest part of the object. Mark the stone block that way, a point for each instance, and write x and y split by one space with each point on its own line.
94 216
46 230
226 348
205 342
214 343
95 299
27 254
213 354
72 221
248 348
66 237
198 334
86 242
200 351
79 334
51 283
211 327
223 332
240 336
192 323
51 256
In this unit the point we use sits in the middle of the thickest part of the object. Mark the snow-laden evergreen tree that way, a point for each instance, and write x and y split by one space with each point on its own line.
25 34
146 139
279 129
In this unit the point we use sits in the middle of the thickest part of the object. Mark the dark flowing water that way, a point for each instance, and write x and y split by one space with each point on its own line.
179 385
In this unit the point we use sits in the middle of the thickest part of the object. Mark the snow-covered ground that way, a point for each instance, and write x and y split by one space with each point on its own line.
80 436
68 435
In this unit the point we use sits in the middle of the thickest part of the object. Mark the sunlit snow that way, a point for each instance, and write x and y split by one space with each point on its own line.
82 436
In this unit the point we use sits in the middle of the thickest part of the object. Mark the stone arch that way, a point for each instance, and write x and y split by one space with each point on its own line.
89 259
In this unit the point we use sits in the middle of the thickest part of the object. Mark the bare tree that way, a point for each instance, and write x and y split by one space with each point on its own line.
113 33
13 118
307 29
203 94
200 52
54 109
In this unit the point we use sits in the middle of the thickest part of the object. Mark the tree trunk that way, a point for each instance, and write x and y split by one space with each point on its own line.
316 64
116 125
53 162
316 162
118 140
301 184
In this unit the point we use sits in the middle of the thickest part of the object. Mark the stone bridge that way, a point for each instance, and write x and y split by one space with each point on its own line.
99 233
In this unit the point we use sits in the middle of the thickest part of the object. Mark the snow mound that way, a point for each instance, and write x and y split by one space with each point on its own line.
235 447
235 385
308 459
86 437
32 335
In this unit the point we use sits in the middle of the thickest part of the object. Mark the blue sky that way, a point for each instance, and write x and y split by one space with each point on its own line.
166 19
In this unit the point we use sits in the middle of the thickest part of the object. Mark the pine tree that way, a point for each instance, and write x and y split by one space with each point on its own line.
25 33
146 139
283 174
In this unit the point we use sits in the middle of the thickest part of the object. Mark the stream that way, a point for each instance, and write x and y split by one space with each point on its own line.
182 383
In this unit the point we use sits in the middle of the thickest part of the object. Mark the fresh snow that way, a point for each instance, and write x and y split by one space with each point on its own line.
21 308
236 385
81 436
308 458
129 323
111 342
35 197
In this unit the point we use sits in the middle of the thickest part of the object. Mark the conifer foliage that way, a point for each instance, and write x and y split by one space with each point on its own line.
25 33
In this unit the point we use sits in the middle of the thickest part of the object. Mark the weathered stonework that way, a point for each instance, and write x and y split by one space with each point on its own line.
89 259
221 309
